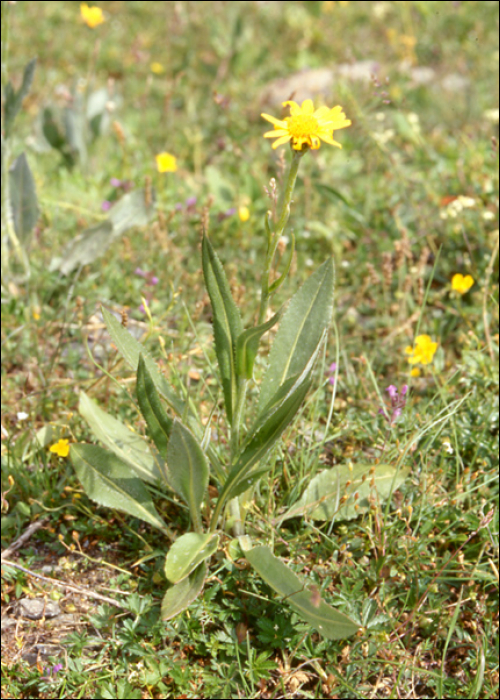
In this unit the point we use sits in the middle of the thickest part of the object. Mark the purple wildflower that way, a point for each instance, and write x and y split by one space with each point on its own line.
333 374
226 214
115 182
191 202
106 205
392 391
398 402
151 278
51 672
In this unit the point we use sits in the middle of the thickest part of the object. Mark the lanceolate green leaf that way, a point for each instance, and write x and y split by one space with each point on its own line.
345 492
188 469
226 321
181 595
187 552
110 482
158 422
322 617
306 318
89 245
23 197
14 99
126 444
247 346
131 349
133 209
264 439
268 427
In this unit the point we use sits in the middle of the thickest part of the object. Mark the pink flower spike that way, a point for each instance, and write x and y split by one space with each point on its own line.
396 414
333 367
404 389
392 391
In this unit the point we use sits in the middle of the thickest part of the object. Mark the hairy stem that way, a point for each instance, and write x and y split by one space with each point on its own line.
275 236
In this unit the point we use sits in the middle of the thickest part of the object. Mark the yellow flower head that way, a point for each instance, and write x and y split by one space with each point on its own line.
305 127
61 448
92 16
329 5
244 213
461 283
423 352
166 163
157 68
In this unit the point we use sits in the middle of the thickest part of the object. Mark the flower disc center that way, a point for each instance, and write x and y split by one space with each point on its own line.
302 126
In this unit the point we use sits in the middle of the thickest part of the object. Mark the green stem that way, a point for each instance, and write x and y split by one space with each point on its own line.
278 232
234 506
236 519
217 512
241 391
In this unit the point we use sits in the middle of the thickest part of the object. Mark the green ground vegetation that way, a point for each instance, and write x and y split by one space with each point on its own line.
410 201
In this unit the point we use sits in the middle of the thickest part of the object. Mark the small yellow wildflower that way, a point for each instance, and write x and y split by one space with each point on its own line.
92 16
305 126
166 163
415 372
423 352
244 213
329 5
461 283
61 448
157 68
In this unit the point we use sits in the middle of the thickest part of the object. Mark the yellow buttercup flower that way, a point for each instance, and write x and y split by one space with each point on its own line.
307 127
157 68
61 448
423 352
415 372
92 16
329 5
461 283
244 213
166 163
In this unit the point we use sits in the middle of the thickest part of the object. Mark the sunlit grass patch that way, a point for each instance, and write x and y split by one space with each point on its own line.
409 203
